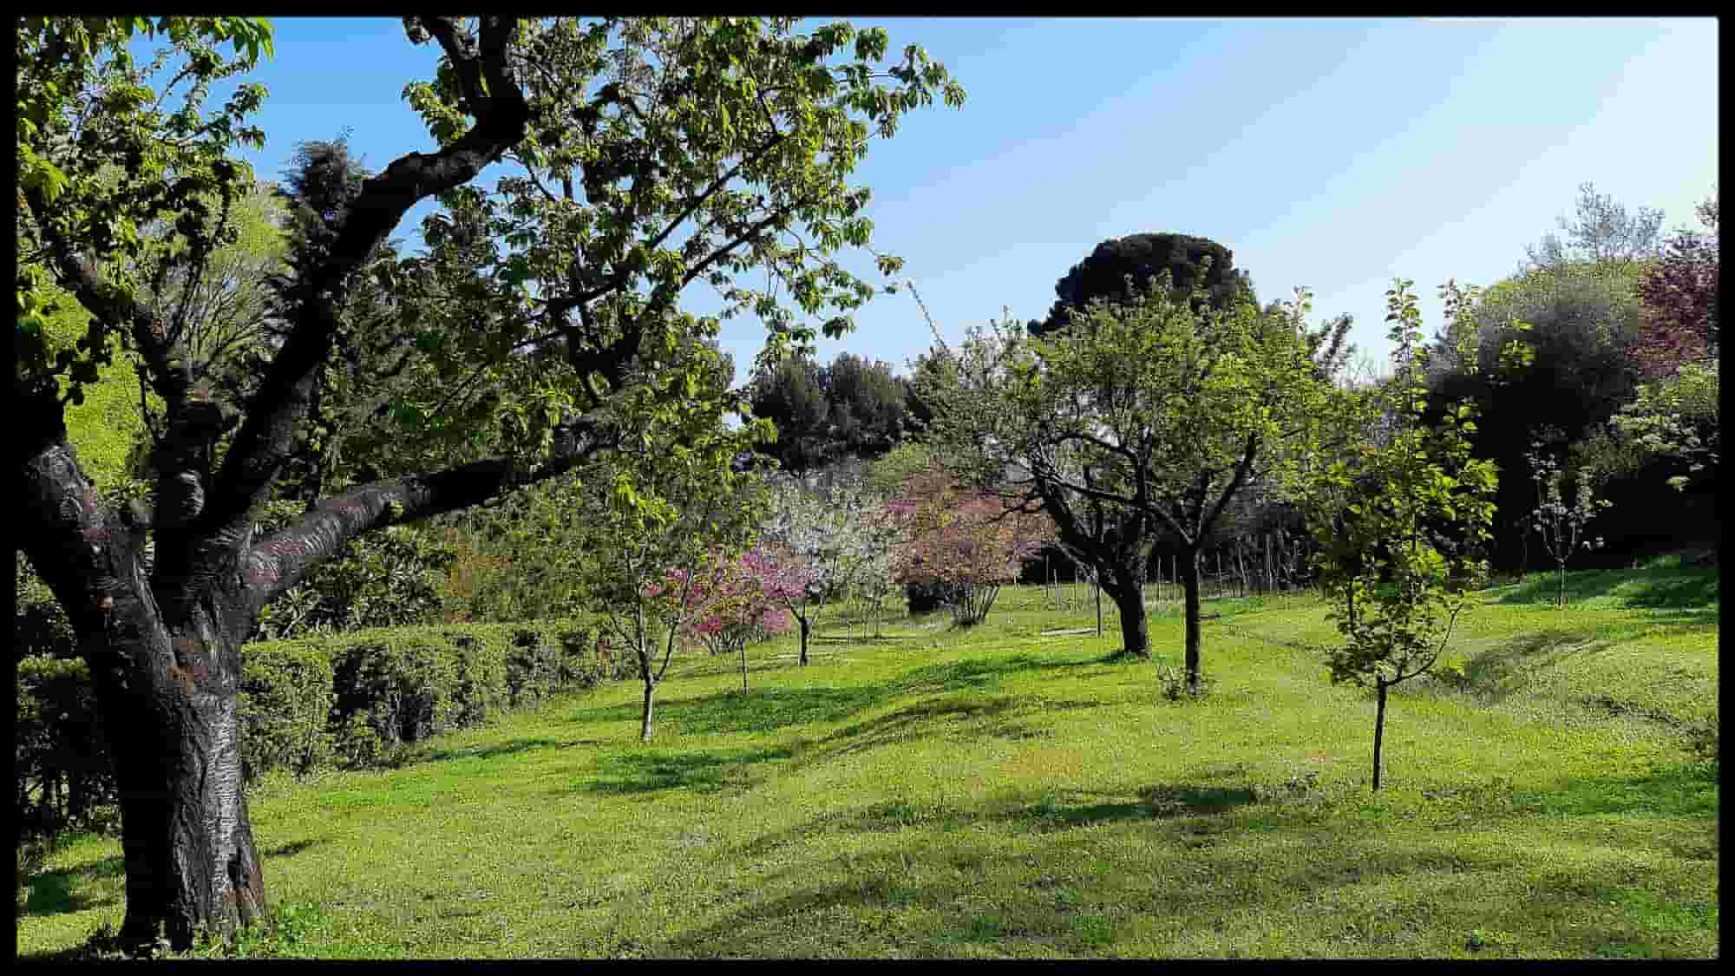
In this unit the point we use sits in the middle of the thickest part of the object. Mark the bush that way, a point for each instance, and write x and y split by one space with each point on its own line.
402 684
355 699
285 706
62 760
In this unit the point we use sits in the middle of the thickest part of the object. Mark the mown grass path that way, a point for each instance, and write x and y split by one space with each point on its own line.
1002 792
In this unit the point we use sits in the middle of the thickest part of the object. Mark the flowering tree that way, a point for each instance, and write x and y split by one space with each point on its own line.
866 566
1678 301
811 527
733 603
968 542
1560 523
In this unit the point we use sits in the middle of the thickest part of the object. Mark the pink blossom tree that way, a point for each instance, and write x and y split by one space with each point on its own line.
736 602
966 541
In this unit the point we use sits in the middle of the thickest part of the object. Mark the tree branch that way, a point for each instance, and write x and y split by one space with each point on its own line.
267 435
280 560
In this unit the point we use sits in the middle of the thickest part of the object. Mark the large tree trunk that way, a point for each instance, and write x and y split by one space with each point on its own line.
187 843
1127 590
164 653
166 669
1189 566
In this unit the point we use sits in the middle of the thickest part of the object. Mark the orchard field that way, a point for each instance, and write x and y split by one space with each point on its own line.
1012 790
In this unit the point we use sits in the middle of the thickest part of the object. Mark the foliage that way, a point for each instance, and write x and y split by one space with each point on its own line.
1199 270
1678 296
851 408
1601 231
836 533
1137 421
1400 521
1561 524
1675 420
356 699
1550 347
342 441
790 395
123 158
387 579
287 694
40 627
63 782
730 603
662 153
964 541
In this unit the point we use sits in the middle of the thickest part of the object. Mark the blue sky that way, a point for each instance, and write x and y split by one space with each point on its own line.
1329 153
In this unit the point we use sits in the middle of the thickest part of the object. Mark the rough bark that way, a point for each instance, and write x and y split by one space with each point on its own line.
1127 591
167 690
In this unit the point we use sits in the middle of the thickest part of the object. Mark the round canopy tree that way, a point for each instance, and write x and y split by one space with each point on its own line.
1199 269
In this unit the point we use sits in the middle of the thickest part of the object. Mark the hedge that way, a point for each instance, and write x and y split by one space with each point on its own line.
352 700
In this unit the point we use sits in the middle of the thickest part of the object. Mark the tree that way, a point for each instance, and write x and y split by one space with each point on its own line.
790 395
1199 269
868 405
819 534
1678 301
742 600
1600 231
851 409
1560 523
675 509
1549 347
655 154
1675 421
1400 521
966 542
993 413
1145 419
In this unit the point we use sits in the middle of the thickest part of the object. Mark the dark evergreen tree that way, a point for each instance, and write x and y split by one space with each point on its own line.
1199 268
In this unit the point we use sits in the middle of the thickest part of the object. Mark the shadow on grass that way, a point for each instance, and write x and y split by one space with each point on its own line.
1499 671
1036 885
290 848
702 771
768 709
1154 803
59 892
503 749
1663 585
919 720
1051 813
1681 790
981 673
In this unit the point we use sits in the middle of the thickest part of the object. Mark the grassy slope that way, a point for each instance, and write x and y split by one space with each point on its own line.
1007 792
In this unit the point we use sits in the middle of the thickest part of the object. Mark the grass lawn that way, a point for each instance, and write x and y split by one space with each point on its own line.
1007 791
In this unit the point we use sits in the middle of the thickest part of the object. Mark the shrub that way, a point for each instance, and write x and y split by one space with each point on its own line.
62 759
355 699
403 683
285 705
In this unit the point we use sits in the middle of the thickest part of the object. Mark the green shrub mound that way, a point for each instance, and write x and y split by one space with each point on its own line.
353 700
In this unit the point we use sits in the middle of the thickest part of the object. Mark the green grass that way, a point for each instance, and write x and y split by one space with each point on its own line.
1004 792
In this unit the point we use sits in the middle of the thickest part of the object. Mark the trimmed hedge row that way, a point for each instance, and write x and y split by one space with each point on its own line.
346 700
